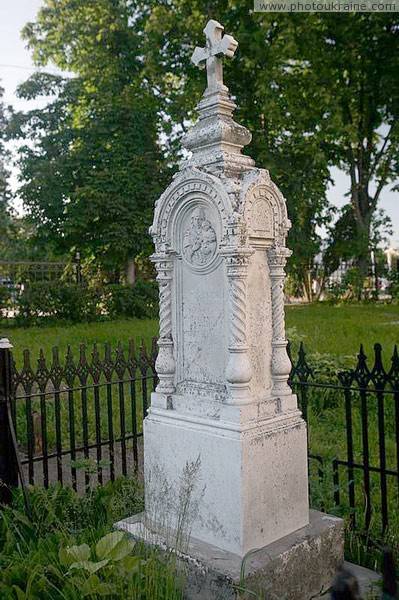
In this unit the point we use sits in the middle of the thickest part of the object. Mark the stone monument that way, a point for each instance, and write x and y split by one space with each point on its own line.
223 407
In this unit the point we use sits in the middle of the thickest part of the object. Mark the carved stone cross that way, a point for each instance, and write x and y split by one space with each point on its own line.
216 47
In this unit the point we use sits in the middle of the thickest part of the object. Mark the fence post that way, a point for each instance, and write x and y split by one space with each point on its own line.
8 460
78 268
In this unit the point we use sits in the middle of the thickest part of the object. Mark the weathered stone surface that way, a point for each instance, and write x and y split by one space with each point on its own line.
240 500
223 412
299 566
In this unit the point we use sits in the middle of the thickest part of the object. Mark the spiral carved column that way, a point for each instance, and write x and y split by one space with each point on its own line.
281 365
238 370
165 363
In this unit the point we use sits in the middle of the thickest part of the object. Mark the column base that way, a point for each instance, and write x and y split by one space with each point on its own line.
237 486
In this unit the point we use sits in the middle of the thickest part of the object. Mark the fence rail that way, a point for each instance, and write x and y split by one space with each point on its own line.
17 277
26 272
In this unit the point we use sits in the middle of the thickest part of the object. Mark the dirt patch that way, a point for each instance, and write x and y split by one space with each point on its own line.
61 468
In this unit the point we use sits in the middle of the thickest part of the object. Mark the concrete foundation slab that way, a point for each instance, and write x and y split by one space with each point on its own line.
299 566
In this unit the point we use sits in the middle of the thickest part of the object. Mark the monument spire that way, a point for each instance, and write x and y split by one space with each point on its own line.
216 140
216 47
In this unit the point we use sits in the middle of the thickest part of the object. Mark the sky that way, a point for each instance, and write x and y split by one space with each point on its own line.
16 66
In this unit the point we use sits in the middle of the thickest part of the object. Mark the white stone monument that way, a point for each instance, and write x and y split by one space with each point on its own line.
219 232
223 403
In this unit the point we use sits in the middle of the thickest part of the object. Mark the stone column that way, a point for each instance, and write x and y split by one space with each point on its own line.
281 365
238 370
165 363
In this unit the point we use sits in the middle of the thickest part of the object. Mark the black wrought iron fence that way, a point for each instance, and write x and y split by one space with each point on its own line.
78 420
81 418
353 435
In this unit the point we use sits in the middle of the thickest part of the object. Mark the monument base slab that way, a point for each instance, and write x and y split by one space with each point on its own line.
299 566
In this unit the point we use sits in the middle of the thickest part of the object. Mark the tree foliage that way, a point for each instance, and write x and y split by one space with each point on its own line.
354 61
91 167
316 90
4 174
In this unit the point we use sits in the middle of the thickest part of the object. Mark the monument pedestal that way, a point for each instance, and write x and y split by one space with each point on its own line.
299 566
235 485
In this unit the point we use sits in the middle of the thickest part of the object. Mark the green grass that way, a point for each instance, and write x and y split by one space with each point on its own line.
324 328
36 338
339 330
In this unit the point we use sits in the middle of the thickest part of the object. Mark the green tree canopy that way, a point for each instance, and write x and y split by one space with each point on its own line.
91 167
4 175
317 90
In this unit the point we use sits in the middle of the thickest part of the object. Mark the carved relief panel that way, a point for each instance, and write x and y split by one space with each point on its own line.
200 297
199 238
261 215
262 219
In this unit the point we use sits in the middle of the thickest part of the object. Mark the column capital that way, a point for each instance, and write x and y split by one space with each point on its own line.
236 259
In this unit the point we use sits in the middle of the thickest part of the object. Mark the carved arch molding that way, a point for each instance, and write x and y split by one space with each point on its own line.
177 208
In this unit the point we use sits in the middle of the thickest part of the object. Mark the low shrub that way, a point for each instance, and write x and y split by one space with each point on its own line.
5 296
65 302
393 278
139 301
49 300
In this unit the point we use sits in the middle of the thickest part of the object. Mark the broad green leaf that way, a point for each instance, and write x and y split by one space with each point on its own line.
73 554
65 558
132 563
94 586
114 546
124 548
89 565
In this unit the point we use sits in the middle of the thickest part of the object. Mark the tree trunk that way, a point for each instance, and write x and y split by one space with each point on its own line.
363 212
363 252
307 285
130 271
